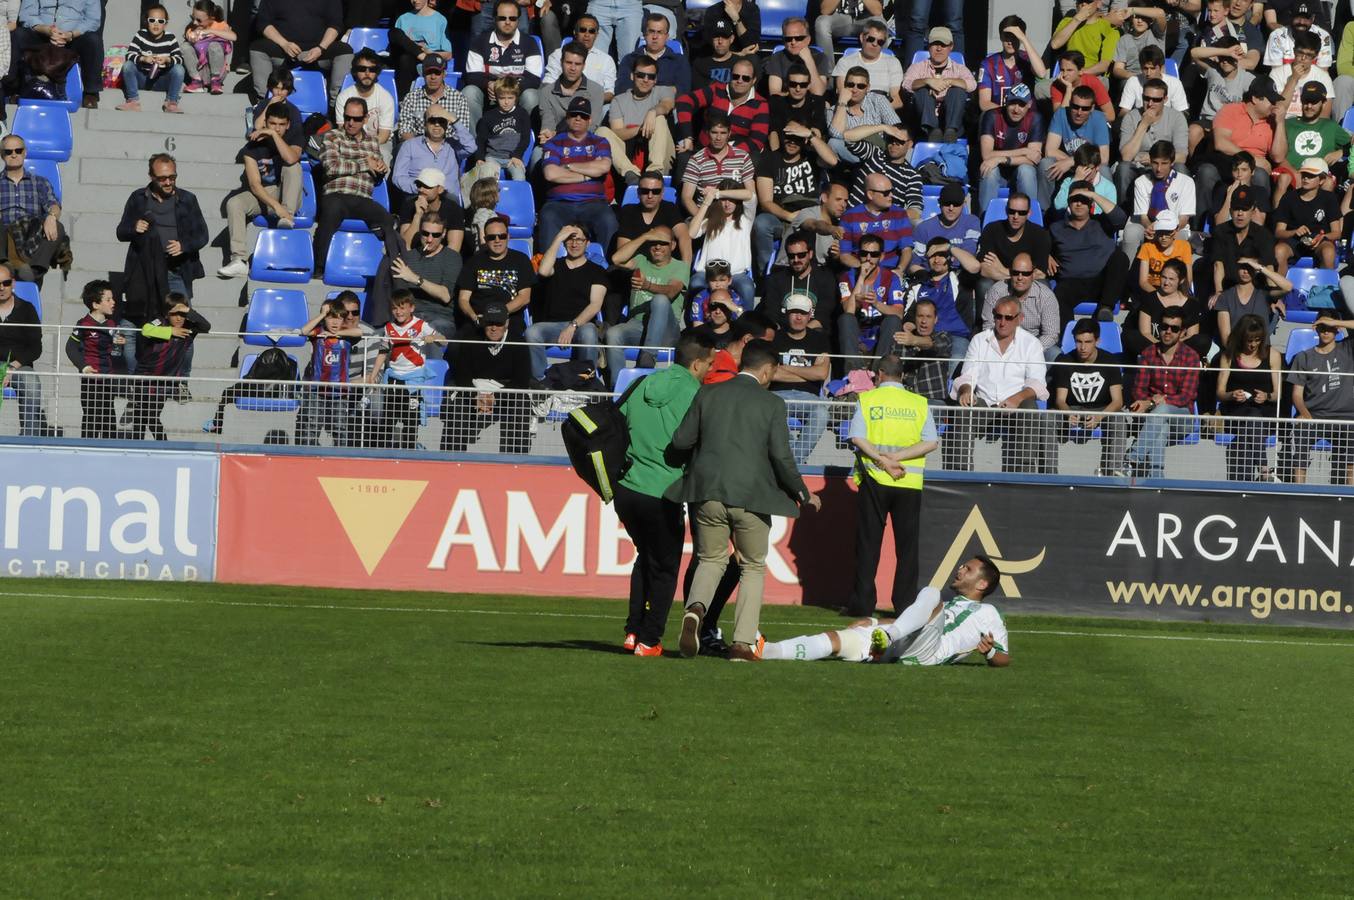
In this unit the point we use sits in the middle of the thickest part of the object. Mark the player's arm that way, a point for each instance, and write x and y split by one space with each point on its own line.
997 659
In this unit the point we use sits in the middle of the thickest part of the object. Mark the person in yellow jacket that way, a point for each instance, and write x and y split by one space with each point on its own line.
892 431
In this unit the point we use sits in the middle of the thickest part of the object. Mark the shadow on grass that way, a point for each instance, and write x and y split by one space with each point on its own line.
593 646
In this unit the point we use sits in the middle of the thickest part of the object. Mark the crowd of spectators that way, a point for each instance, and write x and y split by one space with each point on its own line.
1160 169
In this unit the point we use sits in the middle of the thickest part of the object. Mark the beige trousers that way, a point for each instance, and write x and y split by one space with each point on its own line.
243 206
750 531
660 154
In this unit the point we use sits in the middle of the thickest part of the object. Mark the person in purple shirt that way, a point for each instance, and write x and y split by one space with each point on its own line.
878 216
1011 141
575 167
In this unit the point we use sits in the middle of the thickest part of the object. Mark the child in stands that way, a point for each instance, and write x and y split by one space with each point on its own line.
210 42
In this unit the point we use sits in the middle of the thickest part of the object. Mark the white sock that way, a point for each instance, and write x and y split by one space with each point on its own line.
808 646
917 614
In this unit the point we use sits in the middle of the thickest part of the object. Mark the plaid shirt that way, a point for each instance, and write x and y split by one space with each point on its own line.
31 198
415 105
345 163
928 377
1177 381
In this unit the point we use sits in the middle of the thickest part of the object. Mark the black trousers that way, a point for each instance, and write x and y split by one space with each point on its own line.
334 208
657 528
462 422
1105 289
728 583
98 419
875 503
88 46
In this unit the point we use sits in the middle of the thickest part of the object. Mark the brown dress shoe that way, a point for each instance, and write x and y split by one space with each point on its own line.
743 653
690 644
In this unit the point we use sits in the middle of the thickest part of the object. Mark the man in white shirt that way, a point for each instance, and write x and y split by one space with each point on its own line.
1279 49
929 632
380 122
886 72
599 68
1004 375
1160 189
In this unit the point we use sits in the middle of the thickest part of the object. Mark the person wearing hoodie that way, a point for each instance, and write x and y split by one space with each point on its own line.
652 410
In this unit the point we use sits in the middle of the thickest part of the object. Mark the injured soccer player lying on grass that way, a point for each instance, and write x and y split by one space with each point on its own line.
930 632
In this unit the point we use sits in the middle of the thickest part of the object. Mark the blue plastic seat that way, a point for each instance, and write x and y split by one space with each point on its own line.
1348 122
353 258
274 309
1299 339
625 377
432 396
660 355
517 203
382 196
45 128
522 245
264 404
305 216
75 89
377 39
632 194
282 255
1111 341
27 290
774 14
311 94
1089 308
48 169
996 212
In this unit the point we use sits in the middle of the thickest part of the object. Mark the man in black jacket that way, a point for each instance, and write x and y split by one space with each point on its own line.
20 347
165 230
496 371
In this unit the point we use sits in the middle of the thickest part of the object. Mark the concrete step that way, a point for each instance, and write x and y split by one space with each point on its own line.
188 150
131 173
207 116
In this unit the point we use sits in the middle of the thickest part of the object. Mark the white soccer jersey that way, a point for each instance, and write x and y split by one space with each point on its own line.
952 635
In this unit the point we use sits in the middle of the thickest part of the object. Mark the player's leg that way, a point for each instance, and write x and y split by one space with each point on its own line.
917 614
850 644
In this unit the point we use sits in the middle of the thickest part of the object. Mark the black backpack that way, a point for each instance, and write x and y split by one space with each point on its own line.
272 365
597 439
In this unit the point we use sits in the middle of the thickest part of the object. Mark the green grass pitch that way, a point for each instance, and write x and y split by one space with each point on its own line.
207 740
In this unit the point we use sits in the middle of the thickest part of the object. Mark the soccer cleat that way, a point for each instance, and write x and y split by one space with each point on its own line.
646 650
879 642
690 644
631 640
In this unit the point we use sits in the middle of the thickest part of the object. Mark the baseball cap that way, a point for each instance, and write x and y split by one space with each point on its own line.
940 35
799 303
1263 88
494 313
1313 92
433 63
1303 9
1166 220
722 28
431 177
1243 197
951 193
1316 164
580 106
1018 93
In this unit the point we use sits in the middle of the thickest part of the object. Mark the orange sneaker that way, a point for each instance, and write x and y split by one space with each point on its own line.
646 650
631 639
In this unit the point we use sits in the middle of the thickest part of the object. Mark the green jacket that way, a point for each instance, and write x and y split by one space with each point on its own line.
742 456
653 411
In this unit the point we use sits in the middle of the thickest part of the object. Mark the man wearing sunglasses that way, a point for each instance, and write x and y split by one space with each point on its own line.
953 222
639 121
30 209
1075 125
1139 130
1165 384
749 115
297 33
20 346
445 142
940 87
843 18
884 69
657 282
503 51
1038 305
434 91
1003 377
1010 145
797 104
574 167
1086 259
797 52
495 267
164 231
428 270
352 164
1002 240
432 196
787 183
882 217
380 121
1322 388
599 67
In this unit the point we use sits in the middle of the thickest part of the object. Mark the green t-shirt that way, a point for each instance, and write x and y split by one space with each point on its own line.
1308 141
1096 40
675 270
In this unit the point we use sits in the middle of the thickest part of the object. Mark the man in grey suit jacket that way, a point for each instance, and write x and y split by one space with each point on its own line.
741 473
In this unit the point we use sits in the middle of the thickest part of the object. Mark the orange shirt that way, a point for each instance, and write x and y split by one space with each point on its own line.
1253 137
1154 259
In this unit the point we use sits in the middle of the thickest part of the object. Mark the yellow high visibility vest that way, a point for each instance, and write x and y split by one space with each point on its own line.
893 420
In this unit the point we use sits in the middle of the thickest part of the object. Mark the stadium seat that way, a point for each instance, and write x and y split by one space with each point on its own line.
515 201
75 89
996 212
382 196
386 80
663 355
27 290
625 377
361 298
922 54
594 252
1299 339
432 396
353 258
305 217
48 169
1348 122
522 245
1110 340
282 255
1299 310
632 193
264 404
272 309
922 151
311 94
1089 307
774 14
45 128
378 39
1172 68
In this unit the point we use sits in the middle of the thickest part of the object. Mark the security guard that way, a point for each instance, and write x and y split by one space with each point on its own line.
892 432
